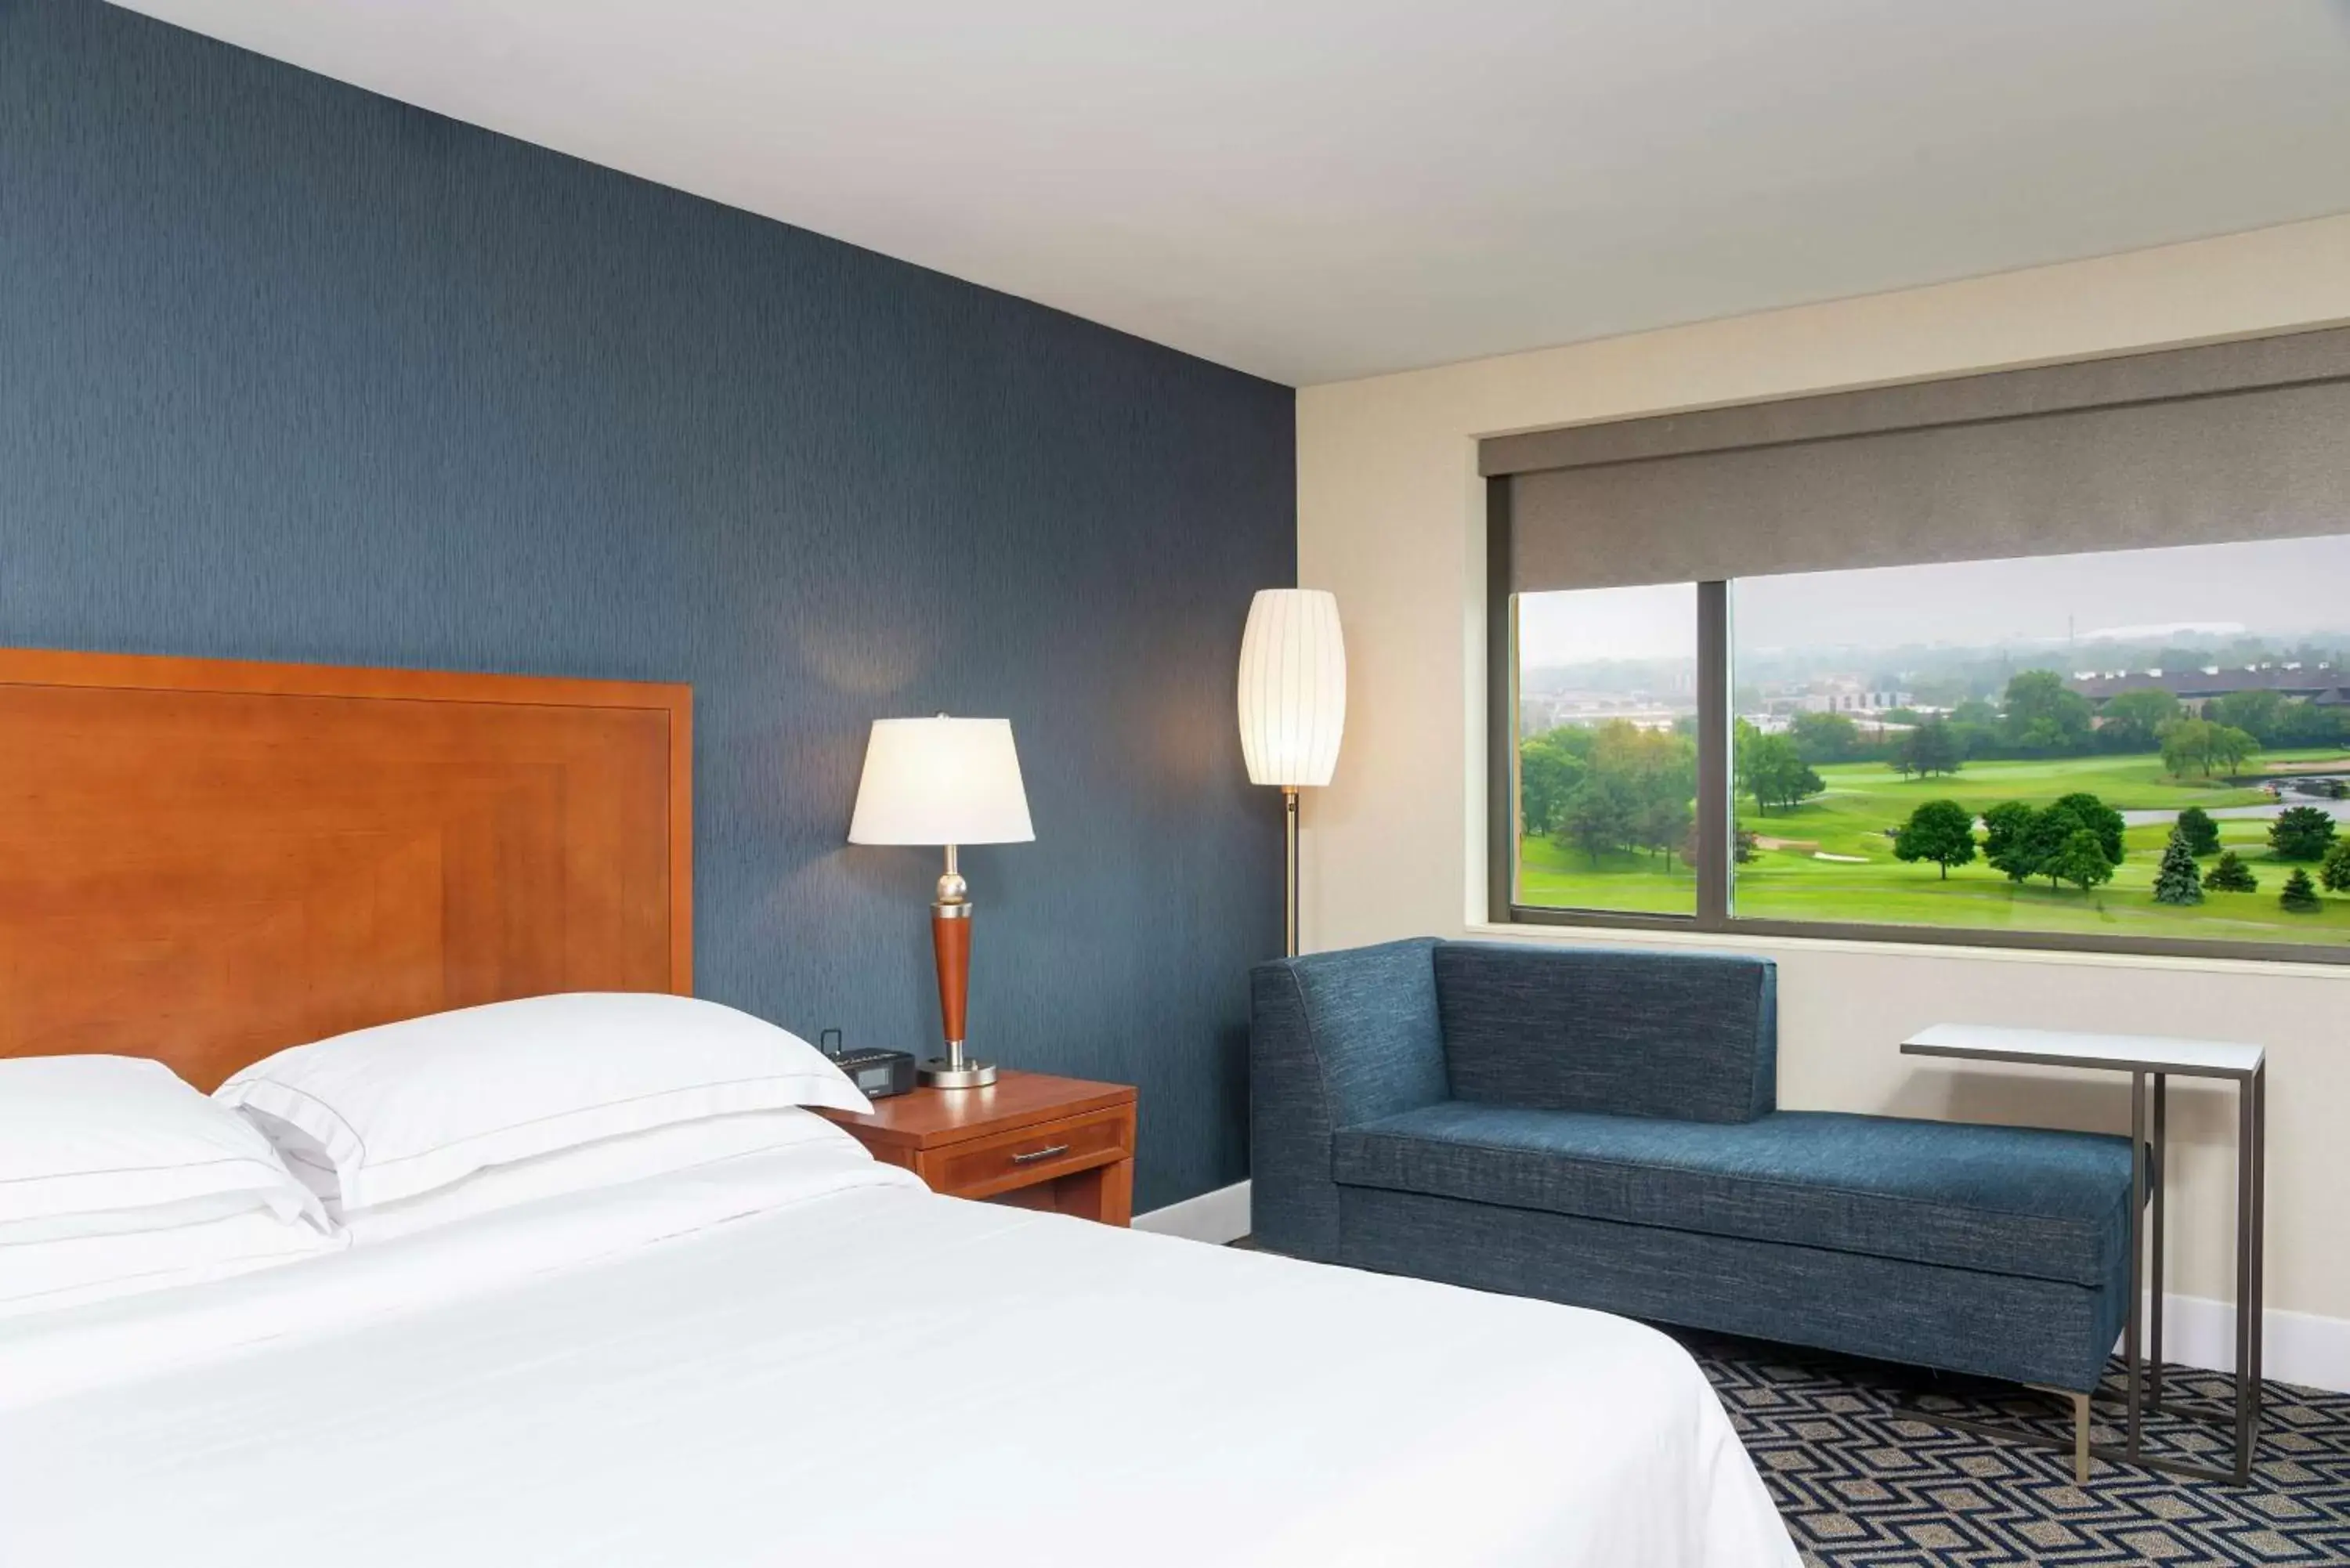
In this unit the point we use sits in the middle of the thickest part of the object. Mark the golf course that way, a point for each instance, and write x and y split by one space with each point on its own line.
1831 857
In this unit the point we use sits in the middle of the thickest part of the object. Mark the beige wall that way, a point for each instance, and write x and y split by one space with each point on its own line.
1391 518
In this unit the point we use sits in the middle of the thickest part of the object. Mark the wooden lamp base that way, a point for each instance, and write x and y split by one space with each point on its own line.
951 941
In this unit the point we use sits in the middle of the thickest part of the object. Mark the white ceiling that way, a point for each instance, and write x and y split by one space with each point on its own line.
1314 189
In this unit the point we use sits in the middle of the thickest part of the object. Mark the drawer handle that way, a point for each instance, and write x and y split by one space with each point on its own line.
1033 1158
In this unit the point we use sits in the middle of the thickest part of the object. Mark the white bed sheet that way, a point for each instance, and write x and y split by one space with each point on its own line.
804 1360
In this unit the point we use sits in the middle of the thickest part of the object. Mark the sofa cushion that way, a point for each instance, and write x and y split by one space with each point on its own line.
2010 1200
1693 1036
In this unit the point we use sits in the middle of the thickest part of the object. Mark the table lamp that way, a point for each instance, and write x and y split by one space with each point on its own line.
946 781
1292 702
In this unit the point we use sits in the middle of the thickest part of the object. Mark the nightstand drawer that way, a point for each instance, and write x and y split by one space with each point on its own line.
1030 1139
1035 1154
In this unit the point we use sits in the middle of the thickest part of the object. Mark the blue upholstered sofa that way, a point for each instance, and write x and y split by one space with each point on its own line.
1600 1127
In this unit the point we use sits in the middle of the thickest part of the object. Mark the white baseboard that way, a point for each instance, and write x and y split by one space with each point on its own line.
2295 1346
1215 1217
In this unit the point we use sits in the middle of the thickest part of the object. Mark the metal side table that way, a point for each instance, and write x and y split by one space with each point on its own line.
2145 1057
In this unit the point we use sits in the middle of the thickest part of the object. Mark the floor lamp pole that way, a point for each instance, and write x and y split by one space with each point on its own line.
1289 906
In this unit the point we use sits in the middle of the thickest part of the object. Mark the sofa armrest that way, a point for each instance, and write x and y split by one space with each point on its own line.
1335 1040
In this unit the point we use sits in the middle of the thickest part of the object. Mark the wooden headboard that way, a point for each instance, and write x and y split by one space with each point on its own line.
204 862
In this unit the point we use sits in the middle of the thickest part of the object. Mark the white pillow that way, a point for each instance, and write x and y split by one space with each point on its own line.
40 1276
607 1162
388 1112
148 1217
92 1144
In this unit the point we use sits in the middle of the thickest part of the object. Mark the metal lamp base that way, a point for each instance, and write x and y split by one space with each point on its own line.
962 1073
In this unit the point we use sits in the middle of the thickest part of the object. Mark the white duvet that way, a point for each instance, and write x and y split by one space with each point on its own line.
802 1358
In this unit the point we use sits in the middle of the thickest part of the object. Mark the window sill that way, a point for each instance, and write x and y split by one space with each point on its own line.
1773 941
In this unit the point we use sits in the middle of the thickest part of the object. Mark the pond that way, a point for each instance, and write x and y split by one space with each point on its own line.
2294 789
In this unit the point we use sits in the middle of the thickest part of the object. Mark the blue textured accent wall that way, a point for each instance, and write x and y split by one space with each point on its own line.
290 372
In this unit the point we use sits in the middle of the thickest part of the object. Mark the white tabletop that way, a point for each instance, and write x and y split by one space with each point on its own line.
2073 1048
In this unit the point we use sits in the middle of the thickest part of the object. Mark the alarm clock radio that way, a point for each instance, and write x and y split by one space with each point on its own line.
877 1073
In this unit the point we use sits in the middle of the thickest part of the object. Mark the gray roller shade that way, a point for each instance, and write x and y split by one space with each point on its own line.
2240 441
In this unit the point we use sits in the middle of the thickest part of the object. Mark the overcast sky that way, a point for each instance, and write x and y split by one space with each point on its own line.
2279 587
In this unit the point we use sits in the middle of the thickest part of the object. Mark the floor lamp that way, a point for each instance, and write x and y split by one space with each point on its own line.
1293 704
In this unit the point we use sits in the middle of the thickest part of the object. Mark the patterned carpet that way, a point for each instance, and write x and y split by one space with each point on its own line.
1864 1485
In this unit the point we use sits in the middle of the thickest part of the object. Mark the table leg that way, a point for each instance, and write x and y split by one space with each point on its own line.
2130 1341
2161 1185
2260 1238
2248 1163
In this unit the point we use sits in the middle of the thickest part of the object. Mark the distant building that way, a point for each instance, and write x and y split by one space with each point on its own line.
1835 696
2319 683
1540 712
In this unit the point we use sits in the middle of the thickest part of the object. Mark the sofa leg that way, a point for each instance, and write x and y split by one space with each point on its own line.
2079 1437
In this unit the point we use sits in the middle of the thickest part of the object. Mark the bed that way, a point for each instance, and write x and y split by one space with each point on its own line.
798 1356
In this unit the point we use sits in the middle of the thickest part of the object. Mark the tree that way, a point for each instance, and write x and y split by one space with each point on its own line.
2301 833
1744 738
1929 749
2231 875
1662 822
1825 737
2045 838
2298 895
1941 831
2044 716
1974 727
1634 792
1776 773
2258 714
2335 871
1938 750
2186 743
2133 720
2099 818
1549 767
2202 834
2081 860
1658 772
2232 747
2005 828
2305 724
1599 817
2176 880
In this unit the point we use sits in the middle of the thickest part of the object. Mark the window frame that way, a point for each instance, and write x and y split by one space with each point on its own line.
1714 915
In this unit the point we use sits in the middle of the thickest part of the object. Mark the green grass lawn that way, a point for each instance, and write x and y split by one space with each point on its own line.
1788 881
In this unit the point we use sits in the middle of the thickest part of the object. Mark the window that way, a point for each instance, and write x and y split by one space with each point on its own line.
1606 720
2052 657
2011 744
2141 748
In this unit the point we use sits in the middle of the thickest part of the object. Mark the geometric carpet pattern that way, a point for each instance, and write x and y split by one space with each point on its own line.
1862 1483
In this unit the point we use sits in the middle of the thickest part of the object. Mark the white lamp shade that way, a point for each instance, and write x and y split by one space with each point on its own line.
1293 687
940 781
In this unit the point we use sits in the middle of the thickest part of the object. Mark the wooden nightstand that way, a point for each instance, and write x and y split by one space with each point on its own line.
1028 1139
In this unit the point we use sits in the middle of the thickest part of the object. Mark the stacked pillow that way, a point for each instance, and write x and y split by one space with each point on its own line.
382 1115
437 1119
116 1176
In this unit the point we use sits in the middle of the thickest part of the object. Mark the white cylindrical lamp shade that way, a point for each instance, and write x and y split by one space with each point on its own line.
1292 688
940 781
